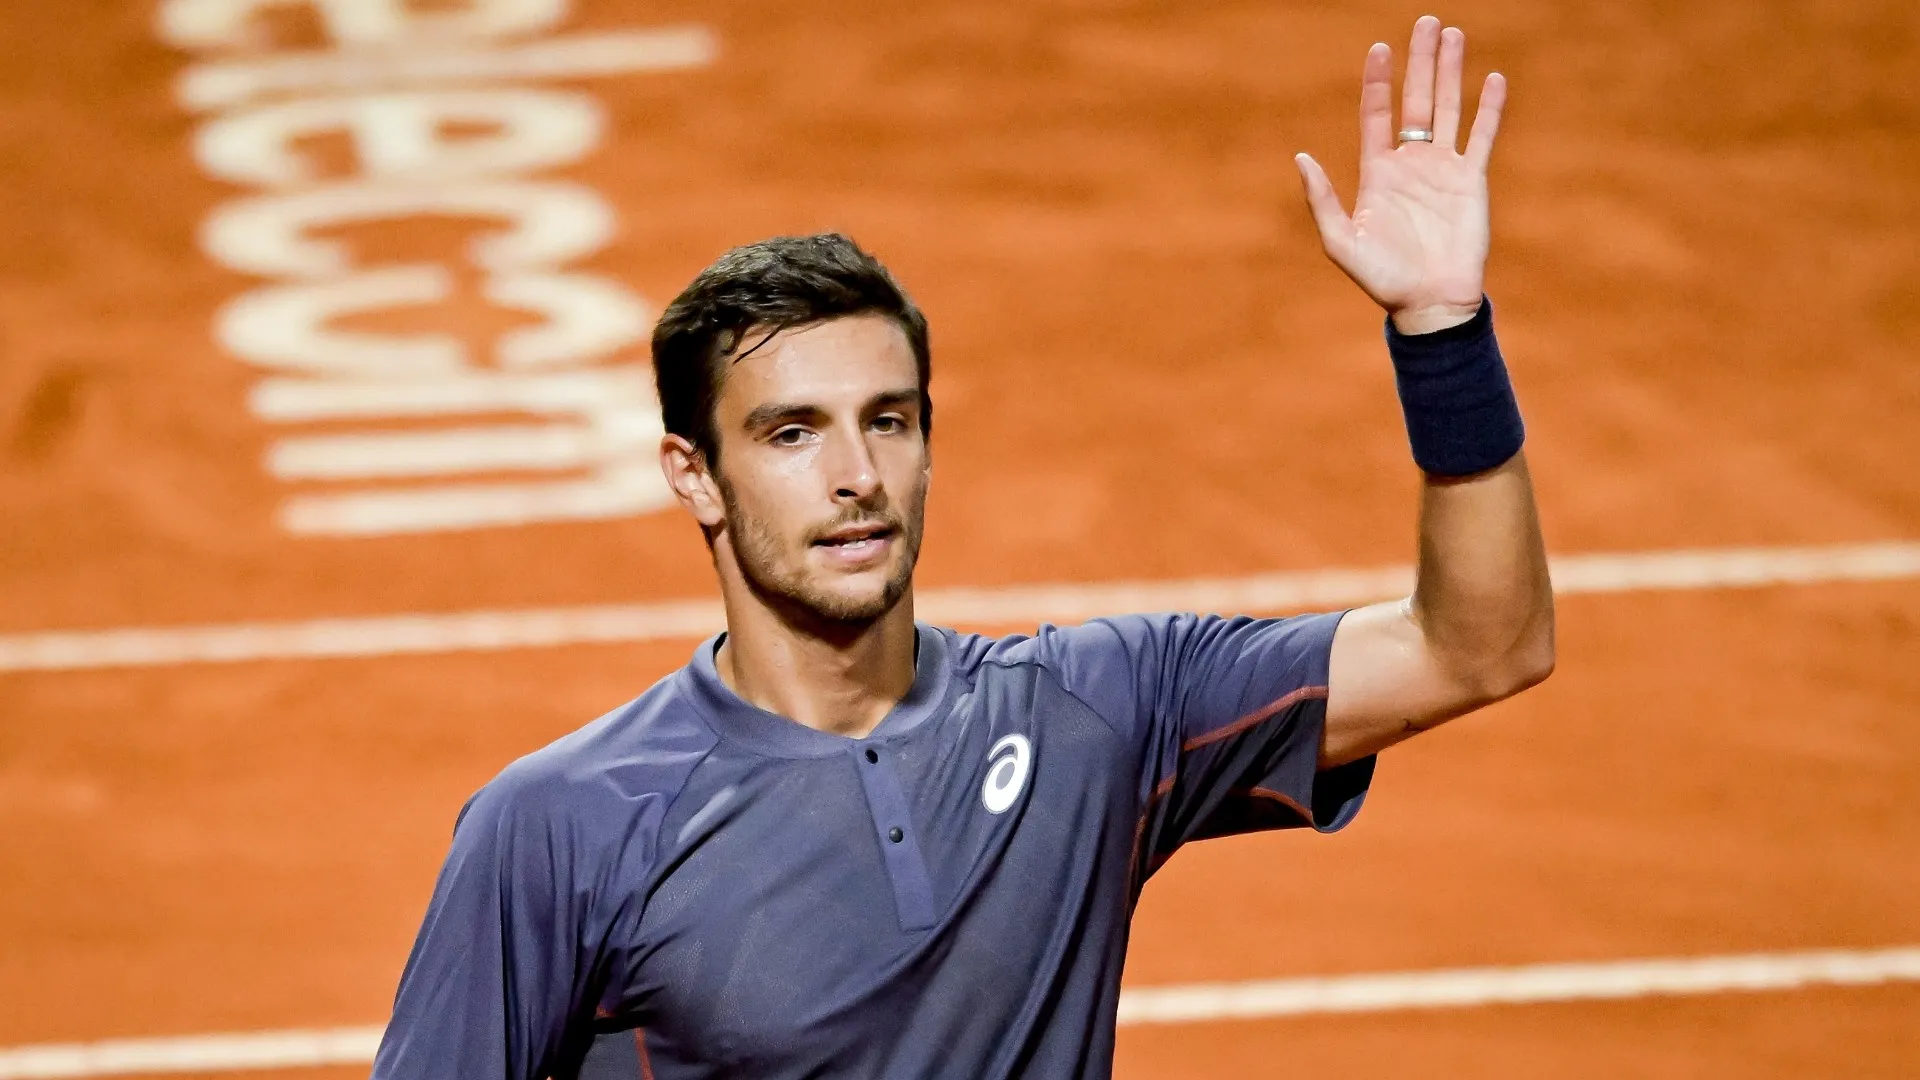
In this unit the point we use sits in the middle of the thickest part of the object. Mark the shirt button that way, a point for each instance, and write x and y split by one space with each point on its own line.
873 756
894 834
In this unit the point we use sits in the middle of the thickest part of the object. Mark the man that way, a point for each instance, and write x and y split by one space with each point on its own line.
839 843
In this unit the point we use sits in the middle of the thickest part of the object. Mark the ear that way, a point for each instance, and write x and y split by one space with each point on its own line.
685 468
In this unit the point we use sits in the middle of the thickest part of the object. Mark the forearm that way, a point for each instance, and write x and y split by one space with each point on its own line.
1482 605
1482 602
1479 625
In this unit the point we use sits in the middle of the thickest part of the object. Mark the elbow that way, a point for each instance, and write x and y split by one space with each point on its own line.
1531 669
1520 666
1526 665
1499 681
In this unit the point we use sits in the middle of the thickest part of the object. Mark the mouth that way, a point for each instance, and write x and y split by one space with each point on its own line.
857 543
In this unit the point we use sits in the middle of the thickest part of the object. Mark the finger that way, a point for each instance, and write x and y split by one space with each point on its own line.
1416 93
1486 122
1446 88
1336 228
1376 102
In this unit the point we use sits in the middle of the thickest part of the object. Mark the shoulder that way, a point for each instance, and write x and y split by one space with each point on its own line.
1064 649
1110 664
597 783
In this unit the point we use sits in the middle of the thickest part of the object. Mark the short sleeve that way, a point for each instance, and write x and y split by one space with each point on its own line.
1228 715
493 987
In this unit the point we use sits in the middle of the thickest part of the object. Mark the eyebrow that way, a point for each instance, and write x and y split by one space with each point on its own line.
777 412
894 398
783 412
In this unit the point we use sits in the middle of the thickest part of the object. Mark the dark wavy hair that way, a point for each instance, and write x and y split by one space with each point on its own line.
764 288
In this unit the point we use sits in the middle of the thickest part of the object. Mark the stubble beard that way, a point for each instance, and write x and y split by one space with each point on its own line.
788 590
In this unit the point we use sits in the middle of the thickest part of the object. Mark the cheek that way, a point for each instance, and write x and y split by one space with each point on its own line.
909 472
900 457
773 495
794 473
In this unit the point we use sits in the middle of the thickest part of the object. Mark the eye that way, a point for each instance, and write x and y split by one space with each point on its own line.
789 436
889 424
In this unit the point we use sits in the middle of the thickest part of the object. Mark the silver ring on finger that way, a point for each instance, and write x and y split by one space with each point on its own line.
1414 134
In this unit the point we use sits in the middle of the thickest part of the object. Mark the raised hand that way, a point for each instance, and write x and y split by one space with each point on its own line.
1417 239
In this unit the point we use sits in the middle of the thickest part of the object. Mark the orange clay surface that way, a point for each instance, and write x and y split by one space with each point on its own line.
1705 263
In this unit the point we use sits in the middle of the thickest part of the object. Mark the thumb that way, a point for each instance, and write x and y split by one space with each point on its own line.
1336 228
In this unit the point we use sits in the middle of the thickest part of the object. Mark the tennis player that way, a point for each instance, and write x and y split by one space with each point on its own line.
840 843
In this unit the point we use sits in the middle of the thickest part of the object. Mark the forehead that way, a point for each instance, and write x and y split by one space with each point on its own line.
845 360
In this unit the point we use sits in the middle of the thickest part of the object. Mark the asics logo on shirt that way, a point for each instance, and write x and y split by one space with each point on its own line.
1007 766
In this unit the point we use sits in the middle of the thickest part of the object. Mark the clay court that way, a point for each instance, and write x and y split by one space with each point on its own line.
1707 270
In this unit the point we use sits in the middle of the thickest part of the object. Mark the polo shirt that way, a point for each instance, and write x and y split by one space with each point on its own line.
691 886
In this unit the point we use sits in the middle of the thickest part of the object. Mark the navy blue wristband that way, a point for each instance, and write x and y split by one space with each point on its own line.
1454 392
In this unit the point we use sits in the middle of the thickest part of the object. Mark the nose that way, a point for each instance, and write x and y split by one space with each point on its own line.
850 467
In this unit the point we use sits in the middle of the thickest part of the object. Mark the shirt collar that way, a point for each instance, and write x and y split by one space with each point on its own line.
780 736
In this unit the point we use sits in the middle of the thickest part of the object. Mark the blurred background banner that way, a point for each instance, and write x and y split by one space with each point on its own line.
328 485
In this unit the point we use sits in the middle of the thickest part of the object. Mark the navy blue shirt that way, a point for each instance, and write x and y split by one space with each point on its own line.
694 887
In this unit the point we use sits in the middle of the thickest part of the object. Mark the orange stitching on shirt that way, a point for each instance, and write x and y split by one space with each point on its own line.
1140 826
1259 716
1282 799
640 1043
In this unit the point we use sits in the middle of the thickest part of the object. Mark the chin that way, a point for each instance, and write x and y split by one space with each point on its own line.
864 605
854 598
811 593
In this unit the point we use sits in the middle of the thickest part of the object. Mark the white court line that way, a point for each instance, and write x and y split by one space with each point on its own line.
192 1053
1458 988
1532 983
470 631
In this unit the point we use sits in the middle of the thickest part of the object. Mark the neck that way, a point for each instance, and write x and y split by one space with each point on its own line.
832 677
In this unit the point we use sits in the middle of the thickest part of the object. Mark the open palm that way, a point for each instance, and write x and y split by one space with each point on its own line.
1417 238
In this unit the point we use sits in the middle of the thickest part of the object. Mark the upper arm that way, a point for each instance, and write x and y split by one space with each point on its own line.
1387 682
